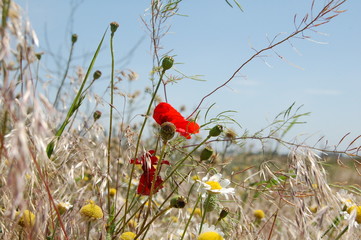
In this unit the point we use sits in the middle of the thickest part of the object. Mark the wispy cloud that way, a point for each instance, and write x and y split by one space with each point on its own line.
323 92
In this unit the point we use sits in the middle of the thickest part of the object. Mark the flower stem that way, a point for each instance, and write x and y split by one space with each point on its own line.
190 217
204 212
110 119
138 143
342 233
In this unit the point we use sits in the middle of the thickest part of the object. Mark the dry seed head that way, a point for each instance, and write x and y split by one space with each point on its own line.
178 202
74 38
114 26
167 131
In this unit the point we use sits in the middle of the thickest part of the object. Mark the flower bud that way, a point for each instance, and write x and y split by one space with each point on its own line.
206 153
97 114
167 131
215 131
259 214
178 202
223 213
210 203
114 26
167 63
74 38
38 55
97 74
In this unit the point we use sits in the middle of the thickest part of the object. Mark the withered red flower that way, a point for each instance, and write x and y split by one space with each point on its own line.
148 160
164 112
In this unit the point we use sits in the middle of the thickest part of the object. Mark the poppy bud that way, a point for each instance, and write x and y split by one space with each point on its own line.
97 114
167 63
210 203
178 202
206 153
215 131
223 213
97 74
74 38
167 131
114 26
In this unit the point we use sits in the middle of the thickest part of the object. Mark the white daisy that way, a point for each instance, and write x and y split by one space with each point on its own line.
215 184
210 233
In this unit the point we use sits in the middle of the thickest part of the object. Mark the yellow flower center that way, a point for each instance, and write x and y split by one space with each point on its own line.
214 185
128 236
210 236
358 212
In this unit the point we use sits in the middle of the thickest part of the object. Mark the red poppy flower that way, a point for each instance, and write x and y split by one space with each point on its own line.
148 160
164 112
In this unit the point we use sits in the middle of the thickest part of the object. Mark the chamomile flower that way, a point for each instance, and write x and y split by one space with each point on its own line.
27 219
215 185
210 233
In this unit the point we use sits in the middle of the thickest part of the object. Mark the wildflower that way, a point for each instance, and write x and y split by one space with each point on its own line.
128 236
259 214
215 185
112 192
91 211
63 207
164 112
210 233
357 209
27 219
148 160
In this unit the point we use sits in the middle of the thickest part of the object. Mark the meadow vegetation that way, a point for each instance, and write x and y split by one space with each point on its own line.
70 171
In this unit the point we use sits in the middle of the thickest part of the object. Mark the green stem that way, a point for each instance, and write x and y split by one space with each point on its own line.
204 212
65 74
151 221
88 230
138 143
190 217
342 233
111 117
185 158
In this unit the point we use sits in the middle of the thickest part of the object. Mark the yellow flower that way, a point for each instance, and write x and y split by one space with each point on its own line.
358 212
313 208
210 236
27 219
197 211
128 236
112 192
91 211
259 214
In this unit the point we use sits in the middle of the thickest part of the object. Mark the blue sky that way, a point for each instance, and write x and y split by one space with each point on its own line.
213 41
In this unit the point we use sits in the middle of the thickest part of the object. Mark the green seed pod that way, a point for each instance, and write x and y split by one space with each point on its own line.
97 114
74 38
178 202
206 153
210 203
216 131
167 63
167 131
114 26
97 74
